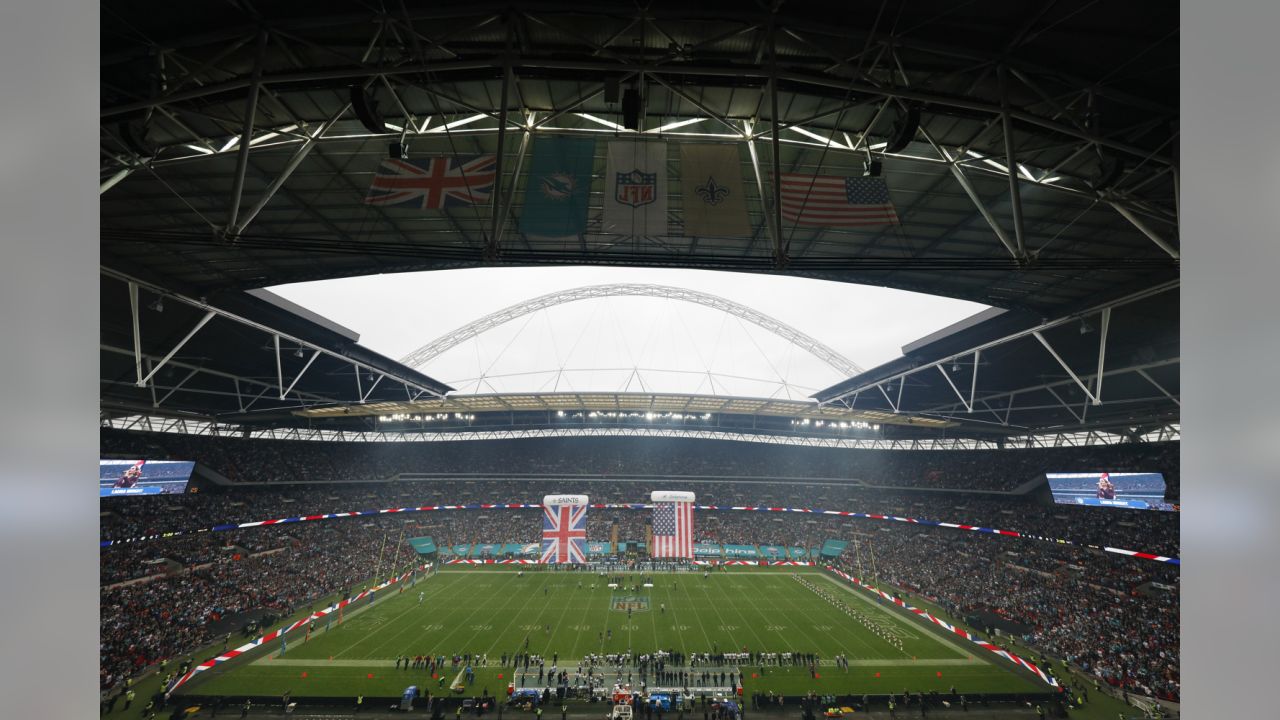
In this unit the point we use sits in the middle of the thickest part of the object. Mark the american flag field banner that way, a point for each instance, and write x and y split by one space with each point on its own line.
433 183
564 529
672 524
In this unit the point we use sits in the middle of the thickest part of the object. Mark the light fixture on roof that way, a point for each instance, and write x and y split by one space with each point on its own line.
158 305
297 353
1085 327
955 366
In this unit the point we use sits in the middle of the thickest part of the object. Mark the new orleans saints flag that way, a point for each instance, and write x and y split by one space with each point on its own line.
635 191
712 190
555 195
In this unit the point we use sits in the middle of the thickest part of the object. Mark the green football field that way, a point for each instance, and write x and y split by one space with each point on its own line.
493 611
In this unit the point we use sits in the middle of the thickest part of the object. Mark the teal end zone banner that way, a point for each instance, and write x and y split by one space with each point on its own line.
531 549
461 550
798 553
833 548
513 549
486 550
423 545
599 548
741 551
706 550
773 552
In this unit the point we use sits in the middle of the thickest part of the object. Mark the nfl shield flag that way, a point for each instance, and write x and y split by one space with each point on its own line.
433 183
672 524
564 529
635 193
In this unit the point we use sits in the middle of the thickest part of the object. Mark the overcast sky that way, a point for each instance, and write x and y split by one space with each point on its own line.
647 344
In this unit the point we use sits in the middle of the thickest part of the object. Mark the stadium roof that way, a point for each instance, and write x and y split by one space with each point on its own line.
1042 179
1042 176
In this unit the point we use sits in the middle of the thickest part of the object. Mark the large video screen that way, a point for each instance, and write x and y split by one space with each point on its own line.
143 477
1136 491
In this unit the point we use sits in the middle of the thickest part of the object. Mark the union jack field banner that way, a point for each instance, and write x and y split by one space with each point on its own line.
564 529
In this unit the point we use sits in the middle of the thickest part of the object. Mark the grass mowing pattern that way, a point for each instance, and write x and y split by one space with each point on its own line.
493 611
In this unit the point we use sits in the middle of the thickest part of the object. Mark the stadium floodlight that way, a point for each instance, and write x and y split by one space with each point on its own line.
297 353
158 305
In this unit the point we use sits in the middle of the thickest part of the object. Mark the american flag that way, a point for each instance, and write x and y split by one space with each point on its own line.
833 201
673 529
433 183
564 534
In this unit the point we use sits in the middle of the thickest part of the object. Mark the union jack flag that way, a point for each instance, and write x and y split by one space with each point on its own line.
433 183
564 534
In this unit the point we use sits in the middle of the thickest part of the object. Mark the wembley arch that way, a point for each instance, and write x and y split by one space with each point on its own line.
804 341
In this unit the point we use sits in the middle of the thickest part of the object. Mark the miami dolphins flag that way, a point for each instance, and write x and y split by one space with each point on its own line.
715 203
555 196
635 188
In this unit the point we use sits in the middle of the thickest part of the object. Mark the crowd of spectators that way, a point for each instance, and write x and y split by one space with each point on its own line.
173 615
1149 531
1083 605
274 461
1097 612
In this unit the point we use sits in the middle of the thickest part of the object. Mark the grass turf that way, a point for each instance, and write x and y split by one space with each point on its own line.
493 611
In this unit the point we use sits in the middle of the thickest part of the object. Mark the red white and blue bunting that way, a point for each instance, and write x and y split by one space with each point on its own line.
643 506
930 617
277 634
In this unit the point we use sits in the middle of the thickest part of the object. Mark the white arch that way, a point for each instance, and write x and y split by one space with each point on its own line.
846 367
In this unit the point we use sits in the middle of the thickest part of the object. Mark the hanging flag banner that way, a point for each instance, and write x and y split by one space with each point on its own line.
556 193
433 183
835 201
714 196
564 529
673 524
635 193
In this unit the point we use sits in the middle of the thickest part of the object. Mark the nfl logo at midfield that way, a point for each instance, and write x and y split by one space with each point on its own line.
636 188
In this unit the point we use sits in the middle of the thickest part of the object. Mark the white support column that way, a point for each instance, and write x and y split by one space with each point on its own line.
1102 355
755 167
113 180
1160 387
315 354
491 247
137 334
207 317
1145 229
1015 196
365 396
177 387
279 370
246 134
969 190
1064 365
968 405
973 385
887 398
1065 404
298 156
